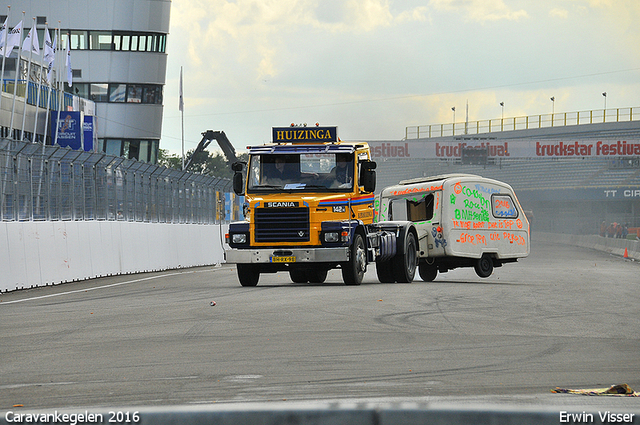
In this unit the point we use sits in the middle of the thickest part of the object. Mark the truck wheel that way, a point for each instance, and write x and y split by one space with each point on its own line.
405 262
428 272
317 275
248 274
353 270
384 270
298 276
484 266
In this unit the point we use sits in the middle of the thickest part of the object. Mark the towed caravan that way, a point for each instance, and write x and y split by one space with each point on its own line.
461 220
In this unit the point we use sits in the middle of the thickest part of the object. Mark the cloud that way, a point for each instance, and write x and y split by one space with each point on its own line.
257 34
558 13
480 10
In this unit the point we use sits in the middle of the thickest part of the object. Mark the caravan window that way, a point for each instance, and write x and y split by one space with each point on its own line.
421 210
503 206
412 210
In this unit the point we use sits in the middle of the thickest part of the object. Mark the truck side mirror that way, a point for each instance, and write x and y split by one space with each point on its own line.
368 176
238 184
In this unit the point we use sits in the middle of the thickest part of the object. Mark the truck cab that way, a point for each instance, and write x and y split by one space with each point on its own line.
308 198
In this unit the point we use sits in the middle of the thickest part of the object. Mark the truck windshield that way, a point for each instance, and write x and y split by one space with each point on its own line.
301 172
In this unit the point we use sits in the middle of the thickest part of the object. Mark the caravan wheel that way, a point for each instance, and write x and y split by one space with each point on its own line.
484 266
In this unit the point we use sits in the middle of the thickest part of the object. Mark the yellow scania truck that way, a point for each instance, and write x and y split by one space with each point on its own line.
309 208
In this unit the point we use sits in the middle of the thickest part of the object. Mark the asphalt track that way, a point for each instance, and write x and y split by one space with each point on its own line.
564 317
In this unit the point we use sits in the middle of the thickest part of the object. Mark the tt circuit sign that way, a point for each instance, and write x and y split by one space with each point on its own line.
506 148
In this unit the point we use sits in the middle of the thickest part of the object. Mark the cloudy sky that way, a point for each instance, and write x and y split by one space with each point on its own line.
374 67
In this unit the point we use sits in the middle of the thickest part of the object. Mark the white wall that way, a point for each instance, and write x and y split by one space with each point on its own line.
51 252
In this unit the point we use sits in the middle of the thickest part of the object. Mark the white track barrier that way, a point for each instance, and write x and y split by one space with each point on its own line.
611 246
50 252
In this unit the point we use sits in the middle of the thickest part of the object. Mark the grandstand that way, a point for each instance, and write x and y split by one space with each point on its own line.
566 193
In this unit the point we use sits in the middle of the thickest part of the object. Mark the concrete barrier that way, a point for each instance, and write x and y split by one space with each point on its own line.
50 252
611 246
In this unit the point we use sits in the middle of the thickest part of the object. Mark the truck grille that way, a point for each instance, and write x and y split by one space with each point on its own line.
282 224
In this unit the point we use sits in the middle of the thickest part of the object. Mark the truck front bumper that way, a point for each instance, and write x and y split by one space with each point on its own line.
289 255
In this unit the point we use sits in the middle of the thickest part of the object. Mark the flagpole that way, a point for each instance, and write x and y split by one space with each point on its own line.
28 77
39 87
181 106
54 47
6 166
4 51
15 80
60 90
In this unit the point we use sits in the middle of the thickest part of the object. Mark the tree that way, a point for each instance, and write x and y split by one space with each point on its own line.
165 159
210 164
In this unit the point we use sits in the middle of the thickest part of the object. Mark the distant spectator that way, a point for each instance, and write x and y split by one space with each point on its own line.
619 231
625 230
611 230
603 229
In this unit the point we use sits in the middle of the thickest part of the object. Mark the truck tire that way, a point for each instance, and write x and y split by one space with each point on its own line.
317 275
298 276
248 274
428 272
353 270
405 262
484 266
384 270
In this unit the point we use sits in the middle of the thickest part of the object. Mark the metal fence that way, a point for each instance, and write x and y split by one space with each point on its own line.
54 183
559 119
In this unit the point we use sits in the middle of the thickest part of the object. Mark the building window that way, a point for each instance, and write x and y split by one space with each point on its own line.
79 40
113 147
99 92
79 89
143 150
117 92
134 93
134 43
101 40
152 94
112 40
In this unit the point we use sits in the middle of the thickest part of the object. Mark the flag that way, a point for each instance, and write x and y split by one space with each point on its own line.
181 104
13 39
49 52
31 42
49 48
3 33
69 72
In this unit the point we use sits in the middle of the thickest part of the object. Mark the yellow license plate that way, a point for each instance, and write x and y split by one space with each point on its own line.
283 259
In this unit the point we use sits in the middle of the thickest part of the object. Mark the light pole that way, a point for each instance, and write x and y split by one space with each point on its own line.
553 108
605 100
454 119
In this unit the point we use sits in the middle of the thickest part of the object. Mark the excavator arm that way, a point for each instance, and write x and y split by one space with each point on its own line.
223 142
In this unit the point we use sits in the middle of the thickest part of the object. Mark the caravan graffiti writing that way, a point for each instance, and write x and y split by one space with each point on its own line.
477 239
475 205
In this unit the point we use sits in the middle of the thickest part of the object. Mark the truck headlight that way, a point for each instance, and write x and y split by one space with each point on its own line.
331 237
239 238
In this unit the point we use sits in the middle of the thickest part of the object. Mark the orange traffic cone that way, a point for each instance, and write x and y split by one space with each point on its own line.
626 254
